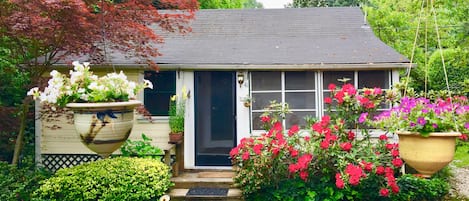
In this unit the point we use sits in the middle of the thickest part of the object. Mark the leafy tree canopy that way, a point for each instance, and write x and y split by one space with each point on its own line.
229 4
395 22
55 29
324 3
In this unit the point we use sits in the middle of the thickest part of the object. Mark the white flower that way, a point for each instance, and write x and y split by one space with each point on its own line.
81 90
54 73
93 86
165 198
78 67
83 86
75 76
33 92
84 97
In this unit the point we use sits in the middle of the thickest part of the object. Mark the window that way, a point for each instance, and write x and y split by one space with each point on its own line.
298 89
364 79
304 91
164 86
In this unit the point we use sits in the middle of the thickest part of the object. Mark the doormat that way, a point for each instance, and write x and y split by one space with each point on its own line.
208 191
216 174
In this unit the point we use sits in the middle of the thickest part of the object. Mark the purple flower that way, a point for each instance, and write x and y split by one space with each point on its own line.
421 121
466 125
412 124
363 117
435 126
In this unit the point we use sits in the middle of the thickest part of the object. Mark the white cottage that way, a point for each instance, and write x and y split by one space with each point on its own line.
287 55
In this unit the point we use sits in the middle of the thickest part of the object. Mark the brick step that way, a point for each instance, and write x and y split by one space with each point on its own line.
215 179
179 194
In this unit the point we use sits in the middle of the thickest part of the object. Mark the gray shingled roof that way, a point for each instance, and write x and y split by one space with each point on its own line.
312 36
278 36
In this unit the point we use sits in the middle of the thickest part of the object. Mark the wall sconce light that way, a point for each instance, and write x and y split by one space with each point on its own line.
240 78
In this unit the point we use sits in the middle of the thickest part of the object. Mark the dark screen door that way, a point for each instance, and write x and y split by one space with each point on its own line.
215 117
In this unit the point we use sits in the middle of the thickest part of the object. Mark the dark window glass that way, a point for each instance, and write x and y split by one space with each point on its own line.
301 100
262 100
298 118
299 80
371 79
265 81
334 76
164 86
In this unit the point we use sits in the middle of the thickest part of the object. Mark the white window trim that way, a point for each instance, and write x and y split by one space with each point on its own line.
283 92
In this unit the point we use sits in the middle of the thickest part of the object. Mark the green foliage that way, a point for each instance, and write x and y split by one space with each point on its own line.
12 78
177 108
221 4
274 112
420 189
325 3
395 22
109 179
461 156
252 4
229 4
19 183
141 148
457 68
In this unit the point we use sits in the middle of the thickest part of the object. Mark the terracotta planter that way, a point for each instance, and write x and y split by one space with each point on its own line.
176 137
427 155
103 127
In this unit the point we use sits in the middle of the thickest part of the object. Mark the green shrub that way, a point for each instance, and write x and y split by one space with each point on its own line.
19 183
109 179
414 188
141 148
456 62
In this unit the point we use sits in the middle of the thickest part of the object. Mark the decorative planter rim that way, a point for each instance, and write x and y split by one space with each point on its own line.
436 134
104 104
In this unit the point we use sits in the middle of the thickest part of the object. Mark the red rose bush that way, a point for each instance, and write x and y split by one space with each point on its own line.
334 158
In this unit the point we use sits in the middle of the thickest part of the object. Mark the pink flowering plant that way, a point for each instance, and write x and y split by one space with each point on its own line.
419 114
335 159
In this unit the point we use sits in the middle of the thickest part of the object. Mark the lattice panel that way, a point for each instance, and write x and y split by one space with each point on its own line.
53 162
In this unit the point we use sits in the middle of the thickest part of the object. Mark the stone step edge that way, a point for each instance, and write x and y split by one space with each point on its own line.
181 192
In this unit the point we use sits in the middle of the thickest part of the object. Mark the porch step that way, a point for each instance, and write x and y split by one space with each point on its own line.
205 179
212 179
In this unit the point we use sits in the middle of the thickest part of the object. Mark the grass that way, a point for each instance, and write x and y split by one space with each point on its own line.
461 157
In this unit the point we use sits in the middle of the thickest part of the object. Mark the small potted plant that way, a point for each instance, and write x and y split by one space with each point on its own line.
177 106
247 101
103 107
427 130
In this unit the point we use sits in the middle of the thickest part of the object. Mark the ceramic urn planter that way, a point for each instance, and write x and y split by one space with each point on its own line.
103 127
429 154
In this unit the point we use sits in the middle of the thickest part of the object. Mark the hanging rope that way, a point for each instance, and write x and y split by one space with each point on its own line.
443 64
429 4
413 48
426 53
440 49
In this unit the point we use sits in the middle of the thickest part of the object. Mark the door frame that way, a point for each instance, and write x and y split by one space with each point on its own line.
211 97
186 78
